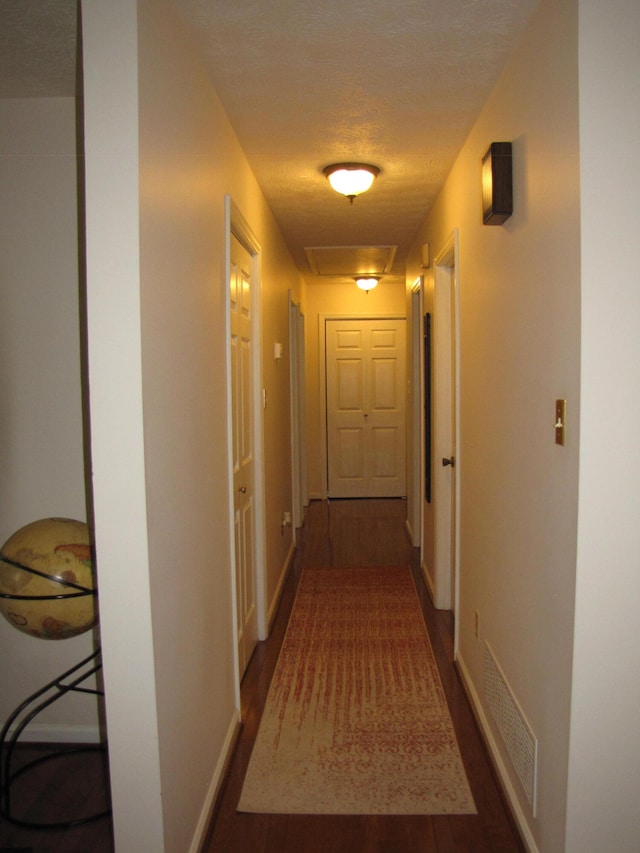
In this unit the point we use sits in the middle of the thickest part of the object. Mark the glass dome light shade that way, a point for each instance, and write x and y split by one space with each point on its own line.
367 282
351 179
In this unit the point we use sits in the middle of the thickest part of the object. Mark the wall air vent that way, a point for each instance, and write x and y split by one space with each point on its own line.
521 743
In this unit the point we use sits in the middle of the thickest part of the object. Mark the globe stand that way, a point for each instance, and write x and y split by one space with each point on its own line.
69 681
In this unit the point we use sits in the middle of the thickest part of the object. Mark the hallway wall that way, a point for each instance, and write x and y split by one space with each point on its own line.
604 754
519 351
161 156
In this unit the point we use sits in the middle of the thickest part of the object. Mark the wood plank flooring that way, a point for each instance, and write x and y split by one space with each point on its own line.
64 788
361 532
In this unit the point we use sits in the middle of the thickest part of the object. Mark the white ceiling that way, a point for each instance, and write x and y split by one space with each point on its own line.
396 83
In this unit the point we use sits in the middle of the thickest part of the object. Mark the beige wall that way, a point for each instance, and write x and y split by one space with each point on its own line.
41 443
604 766
336 300
156 186
519 351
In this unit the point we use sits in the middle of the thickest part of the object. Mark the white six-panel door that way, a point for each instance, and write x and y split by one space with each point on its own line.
365 369
244 521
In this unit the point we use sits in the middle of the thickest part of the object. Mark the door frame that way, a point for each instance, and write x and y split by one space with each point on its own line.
416 412
447 427
322 360
236 224
297 371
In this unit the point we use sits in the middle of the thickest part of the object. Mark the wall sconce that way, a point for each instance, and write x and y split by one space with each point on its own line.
497 184
425 256
367 282
351 179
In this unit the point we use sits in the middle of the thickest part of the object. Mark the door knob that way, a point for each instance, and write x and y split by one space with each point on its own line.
451 462
243 490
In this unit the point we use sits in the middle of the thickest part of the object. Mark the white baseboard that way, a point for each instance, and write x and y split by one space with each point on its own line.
51 733
429 582
214 787
275 601
498 763
409 529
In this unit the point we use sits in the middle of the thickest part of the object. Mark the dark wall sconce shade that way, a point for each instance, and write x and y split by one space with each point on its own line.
497 184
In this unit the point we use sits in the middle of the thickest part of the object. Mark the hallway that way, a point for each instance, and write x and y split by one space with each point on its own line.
360 532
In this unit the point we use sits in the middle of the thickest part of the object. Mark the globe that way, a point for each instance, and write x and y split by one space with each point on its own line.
59 549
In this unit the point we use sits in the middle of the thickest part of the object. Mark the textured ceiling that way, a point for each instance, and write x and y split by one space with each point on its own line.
396 83
38 41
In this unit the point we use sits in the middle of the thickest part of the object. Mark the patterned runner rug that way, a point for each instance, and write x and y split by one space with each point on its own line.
356 720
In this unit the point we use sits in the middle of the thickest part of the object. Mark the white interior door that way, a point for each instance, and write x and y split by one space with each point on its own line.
365 380
244 515
446 448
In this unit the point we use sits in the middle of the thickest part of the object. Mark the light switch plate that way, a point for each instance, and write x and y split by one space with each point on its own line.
560 423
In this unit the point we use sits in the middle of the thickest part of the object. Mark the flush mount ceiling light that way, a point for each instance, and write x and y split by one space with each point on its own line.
367 282
351 179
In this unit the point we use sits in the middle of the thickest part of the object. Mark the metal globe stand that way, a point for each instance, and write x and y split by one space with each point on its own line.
69 681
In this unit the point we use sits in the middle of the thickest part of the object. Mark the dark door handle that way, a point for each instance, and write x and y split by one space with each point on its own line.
451 462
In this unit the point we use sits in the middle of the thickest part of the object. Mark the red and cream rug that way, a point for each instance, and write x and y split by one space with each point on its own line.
356 720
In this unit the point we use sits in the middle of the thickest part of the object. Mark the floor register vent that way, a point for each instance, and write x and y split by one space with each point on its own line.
521 743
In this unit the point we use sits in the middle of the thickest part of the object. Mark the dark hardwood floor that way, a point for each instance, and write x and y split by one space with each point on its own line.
71 786
339 533
361 532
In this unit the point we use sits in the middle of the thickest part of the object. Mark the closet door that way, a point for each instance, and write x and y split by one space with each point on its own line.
365 365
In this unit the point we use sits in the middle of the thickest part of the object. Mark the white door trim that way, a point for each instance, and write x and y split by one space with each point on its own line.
297 384
322 360
417 415
235 223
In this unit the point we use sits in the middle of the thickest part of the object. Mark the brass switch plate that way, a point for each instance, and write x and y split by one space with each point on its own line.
560 423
